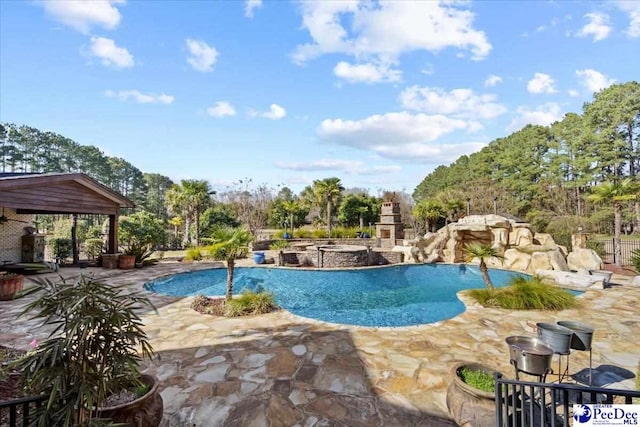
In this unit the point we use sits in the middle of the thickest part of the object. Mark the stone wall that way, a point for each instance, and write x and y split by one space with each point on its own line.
386 257
329 258
263 245
333 259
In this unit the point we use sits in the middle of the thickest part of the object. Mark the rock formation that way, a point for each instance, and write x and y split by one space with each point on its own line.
521 249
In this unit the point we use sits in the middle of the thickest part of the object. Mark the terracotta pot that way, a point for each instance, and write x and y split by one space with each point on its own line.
126 262
146 411
9 286
467 405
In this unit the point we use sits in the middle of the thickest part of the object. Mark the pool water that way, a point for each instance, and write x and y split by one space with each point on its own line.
382 296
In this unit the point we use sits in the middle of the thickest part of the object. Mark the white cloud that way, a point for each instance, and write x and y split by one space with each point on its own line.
429 153
203 57
275 112
545 27
139 97
598 26
221 109
366 73
543 115
352 167
110 54
541 83
458 102
632 7
594 80
573 93
250 5
81 15
391 129
386 29
492 80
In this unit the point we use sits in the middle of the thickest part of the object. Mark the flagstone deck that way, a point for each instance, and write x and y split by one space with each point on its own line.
283 370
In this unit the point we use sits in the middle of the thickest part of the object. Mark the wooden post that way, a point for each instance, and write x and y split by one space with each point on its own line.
113 234
74 239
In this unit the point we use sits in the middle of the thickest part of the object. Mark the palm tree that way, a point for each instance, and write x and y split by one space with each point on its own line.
230 244
291 207
428 211
328 190
484 252
362 210
615 193
187 200
176 222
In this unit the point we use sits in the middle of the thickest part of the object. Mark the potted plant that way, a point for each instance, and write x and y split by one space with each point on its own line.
139 234
10 284
471 395
91 355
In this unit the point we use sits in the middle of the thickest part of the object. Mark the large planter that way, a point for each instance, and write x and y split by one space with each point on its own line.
10 284
467 405
258 257
146 411
126 262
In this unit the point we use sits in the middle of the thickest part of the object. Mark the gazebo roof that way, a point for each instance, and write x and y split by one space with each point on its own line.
59 193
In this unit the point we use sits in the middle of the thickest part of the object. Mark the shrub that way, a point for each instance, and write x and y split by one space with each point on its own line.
562 227
139 234
635 259
279 234
93 248
597 247
478 379
193 254
302 233
280 244
319 233
345 232
525 294
250 303
61 248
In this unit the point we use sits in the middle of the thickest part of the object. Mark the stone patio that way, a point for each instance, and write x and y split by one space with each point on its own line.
283 370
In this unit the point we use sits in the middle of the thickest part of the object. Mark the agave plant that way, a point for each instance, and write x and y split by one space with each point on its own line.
94 350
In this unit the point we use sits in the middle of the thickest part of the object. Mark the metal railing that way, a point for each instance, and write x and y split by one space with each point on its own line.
20 412
627 247
528 404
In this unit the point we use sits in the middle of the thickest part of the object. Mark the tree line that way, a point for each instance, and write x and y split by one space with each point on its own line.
541 173
188 209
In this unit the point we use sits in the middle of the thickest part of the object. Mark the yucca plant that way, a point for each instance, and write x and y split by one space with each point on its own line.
93 351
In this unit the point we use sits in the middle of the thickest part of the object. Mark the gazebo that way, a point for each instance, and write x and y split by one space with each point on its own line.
56 193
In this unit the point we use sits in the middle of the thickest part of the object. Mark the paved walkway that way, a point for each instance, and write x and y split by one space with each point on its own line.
283 370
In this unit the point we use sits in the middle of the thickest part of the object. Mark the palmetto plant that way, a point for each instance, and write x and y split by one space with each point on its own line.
483 252
93 351
229 245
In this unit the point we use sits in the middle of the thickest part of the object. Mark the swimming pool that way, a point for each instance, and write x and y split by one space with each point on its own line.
381 296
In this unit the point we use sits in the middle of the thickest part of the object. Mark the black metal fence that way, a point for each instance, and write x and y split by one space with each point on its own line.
524 403
19 412
627 246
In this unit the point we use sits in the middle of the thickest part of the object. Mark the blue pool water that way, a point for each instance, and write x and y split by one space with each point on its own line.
386 296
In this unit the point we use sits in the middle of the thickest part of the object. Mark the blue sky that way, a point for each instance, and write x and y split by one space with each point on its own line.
378 93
